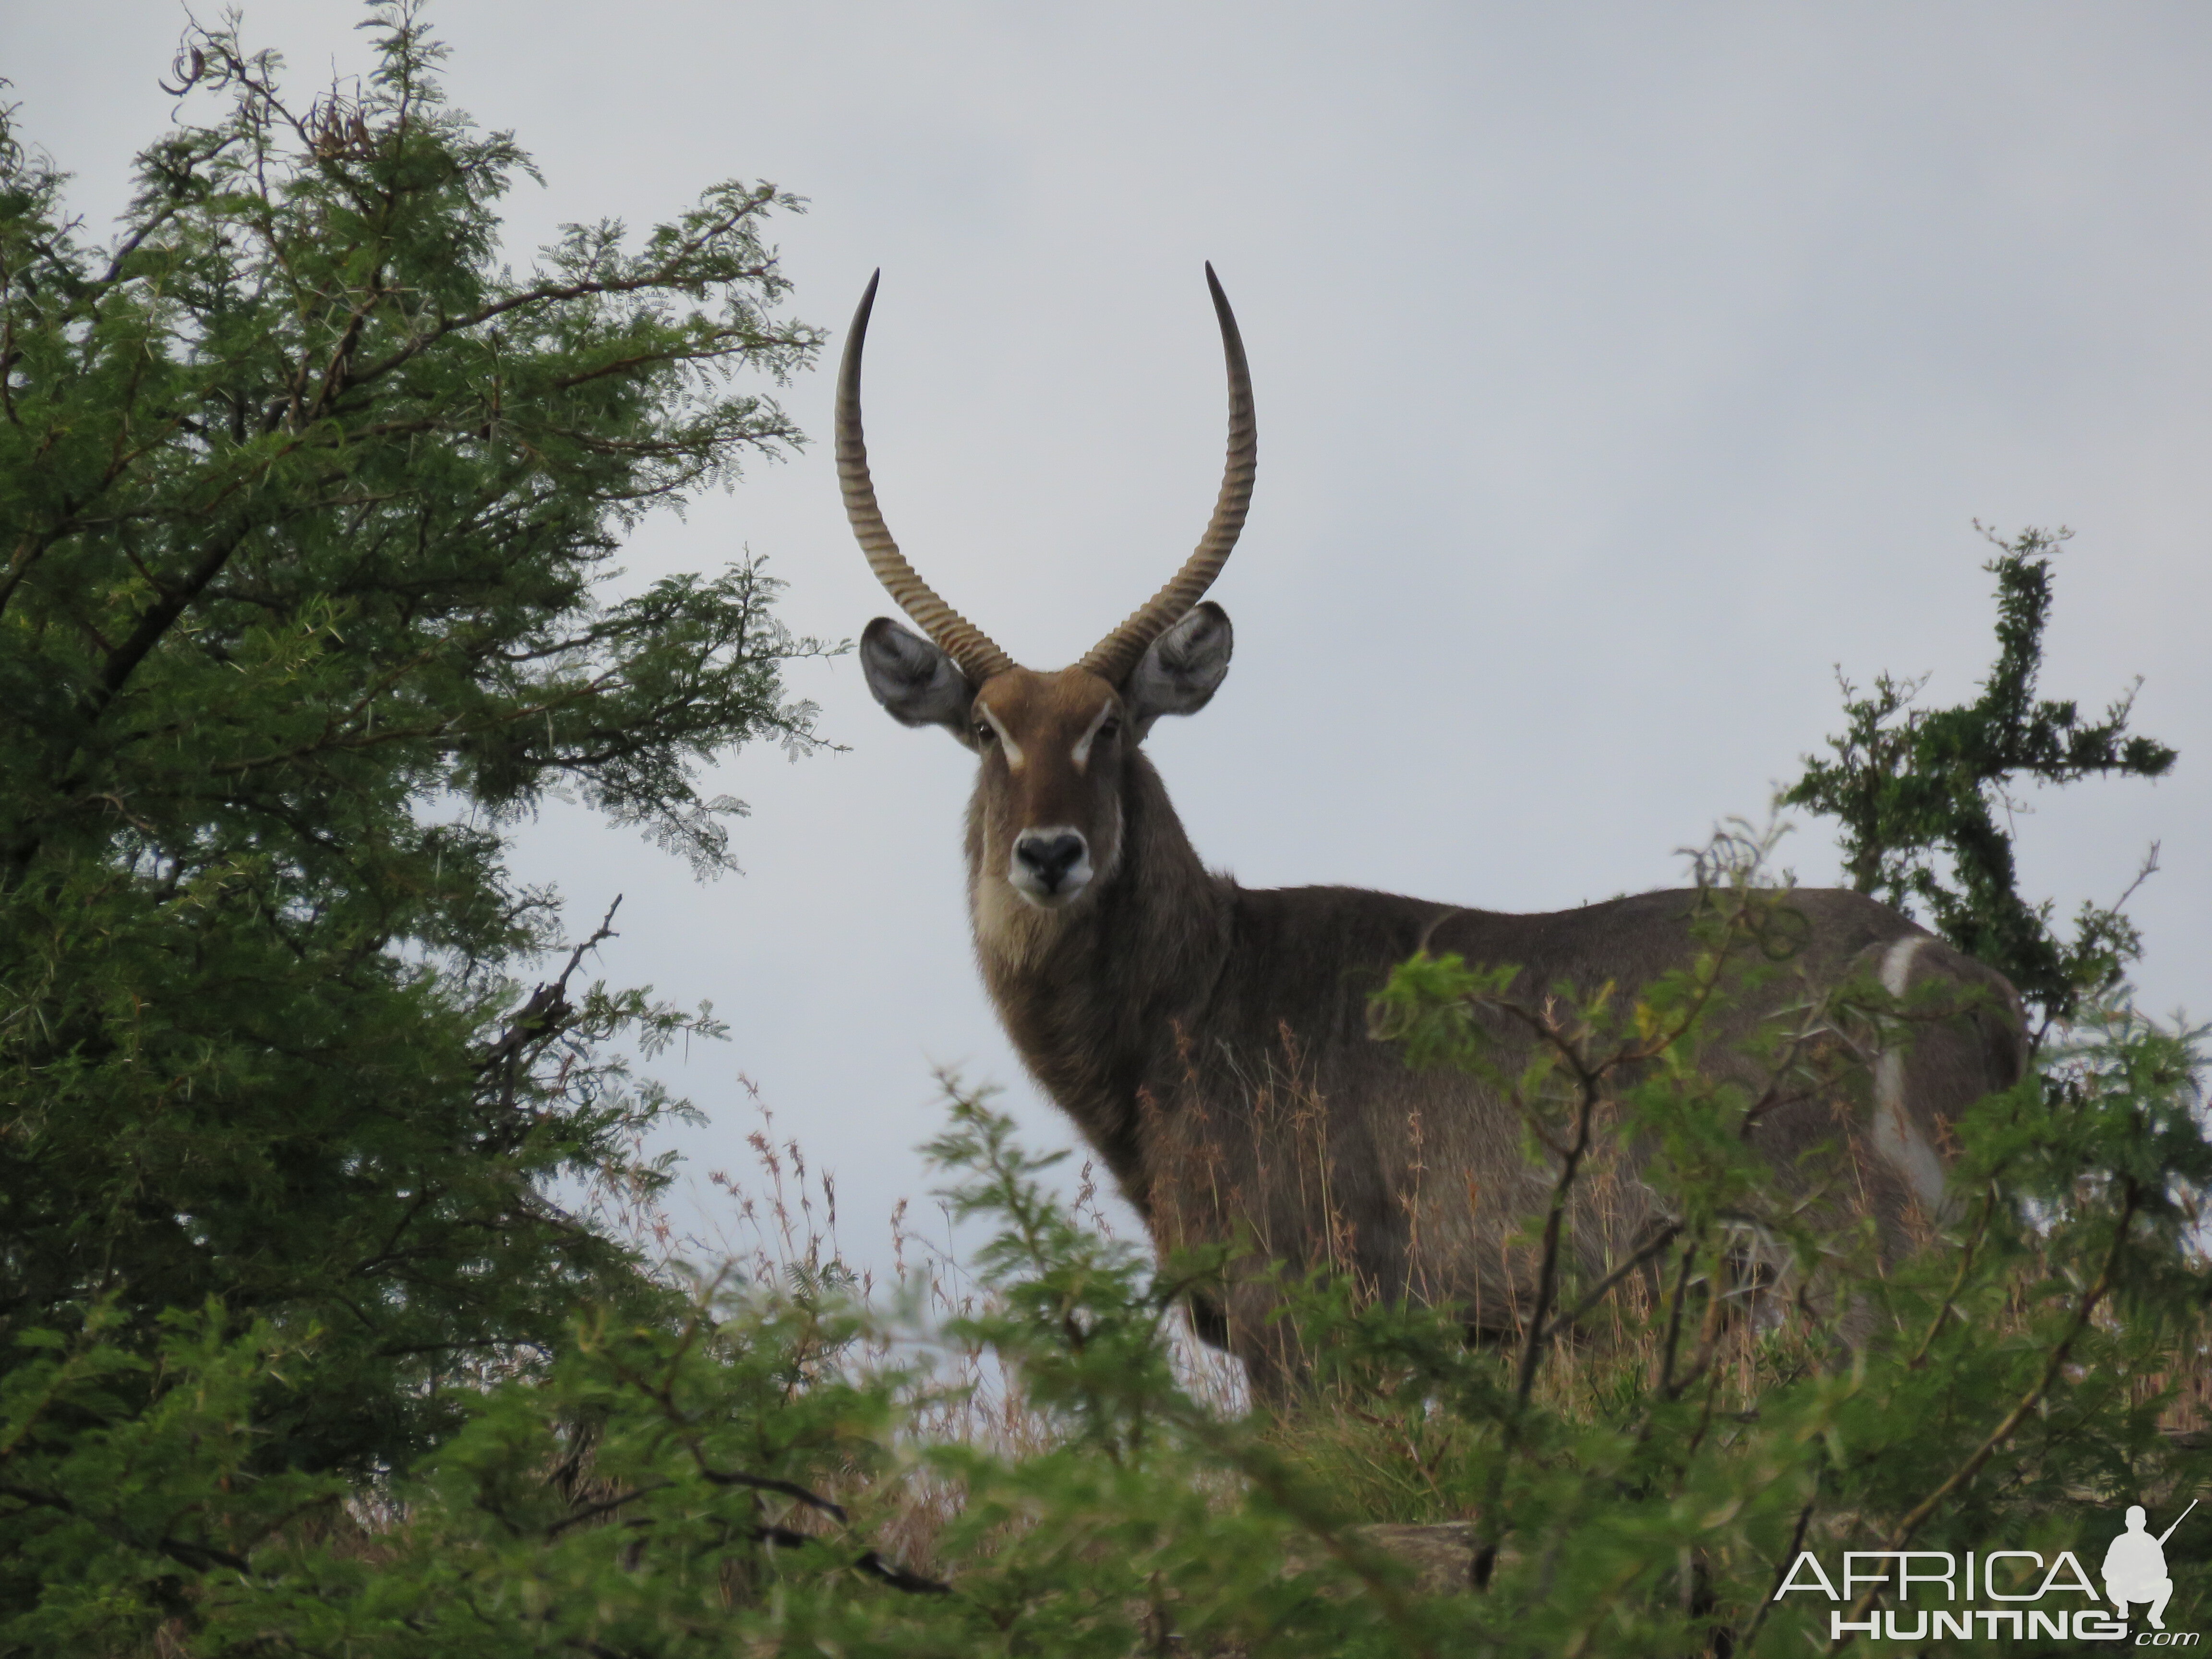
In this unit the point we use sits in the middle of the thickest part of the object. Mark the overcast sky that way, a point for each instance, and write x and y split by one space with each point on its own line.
1622 370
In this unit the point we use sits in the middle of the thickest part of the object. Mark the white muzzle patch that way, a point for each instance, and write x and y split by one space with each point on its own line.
1049 867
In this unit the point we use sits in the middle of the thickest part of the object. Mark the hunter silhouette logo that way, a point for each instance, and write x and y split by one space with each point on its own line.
1935 1594
2134 1566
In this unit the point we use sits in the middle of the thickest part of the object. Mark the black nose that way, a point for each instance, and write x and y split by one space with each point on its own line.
1049 857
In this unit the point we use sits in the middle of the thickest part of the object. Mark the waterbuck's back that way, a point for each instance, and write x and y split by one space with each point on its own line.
1270 1109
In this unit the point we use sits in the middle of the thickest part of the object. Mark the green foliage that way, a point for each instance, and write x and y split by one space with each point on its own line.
624 1496
1081 1309
120 1511
1908 784
750 1478
1758 1385
723 1482
307 511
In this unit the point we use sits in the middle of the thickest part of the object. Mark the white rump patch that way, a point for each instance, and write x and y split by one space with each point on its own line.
1896 1136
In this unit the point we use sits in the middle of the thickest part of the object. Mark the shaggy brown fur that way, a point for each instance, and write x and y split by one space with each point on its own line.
1211 1042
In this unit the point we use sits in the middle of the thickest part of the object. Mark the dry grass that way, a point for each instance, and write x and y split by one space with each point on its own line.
1731 1337
774 1225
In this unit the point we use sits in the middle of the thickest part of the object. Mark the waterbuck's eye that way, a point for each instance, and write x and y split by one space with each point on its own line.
986 733
1110 730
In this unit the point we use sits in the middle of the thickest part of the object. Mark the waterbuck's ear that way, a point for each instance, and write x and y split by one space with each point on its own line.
1183 668
914 680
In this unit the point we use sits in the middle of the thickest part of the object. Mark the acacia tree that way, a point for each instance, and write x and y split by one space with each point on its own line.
308 505
1908 785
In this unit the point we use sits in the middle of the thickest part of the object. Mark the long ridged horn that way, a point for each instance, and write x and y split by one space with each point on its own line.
1113 657
954 636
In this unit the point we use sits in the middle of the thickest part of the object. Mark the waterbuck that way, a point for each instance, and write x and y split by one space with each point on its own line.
1212 1042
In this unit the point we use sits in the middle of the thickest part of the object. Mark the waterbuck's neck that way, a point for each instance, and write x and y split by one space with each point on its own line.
1091 993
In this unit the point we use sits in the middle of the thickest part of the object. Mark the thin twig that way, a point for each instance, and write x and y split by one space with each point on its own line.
1781 1572
1666 1236
1901 1535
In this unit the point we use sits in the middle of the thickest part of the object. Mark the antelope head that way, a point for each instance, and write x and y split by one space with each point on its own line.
1055 746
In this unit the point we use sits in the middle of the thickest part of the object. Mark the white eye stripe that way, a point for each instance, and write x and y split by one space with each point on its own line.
1081 753
1013 750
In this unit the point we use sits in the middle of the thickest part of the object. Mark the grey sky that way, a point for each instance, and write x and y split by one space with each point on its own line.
1619 370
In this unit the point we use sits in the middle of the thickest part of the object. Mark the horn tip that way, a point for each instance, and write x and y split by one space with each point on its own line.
867 298
1220 300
